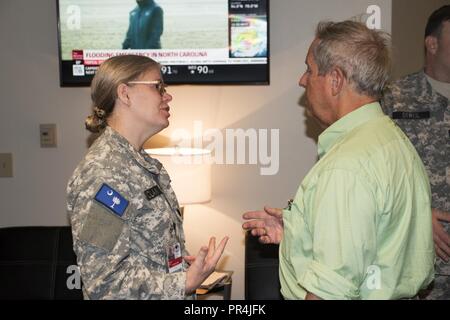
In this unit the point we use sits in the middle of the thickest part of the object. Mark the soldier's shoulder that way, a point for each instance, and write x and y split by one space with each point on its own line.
98 164
407 83
86 173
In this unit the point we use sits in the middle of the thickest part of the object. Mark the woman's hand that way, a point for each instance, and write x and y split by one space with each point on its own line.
202 265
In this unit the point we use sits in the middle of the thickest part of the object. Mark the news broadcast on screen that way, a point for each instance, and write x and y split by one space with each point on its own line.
196 42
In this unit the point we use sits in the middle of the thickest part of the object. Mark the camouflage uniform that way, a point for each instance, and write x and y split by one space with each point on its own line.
424 115
125 257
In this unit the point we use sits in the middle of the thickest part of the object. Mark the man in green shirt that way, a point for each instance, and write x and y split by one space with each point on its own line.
360 224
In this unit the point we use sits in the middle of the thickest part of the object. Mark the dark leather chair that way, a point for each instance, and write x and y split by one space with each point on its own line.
34 261
261 270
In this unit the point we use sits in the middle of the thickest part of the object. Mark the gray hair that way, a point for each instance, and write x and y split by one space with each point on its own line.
110 74
362 54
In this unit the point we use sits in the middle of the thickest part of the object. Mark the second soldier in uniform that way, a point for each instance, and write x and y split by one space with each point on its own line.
420 105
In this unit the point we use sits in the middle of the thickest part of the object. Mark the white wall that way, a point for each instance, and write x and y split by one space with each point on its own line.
30 95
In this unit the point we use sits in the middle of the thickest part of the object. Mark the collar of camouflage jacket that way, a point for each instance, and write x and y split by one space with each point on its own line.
141 157
427 95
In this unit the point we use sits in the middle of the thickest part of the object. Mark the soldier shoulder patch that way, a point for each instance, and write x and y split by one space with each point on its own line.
111 199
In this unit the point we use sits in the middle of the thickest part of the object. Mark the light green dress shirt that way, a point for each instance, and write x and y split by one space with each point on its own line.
360 224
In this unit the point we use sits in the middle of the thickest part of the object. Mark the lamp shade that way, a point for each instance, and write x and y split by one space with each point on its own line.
190 172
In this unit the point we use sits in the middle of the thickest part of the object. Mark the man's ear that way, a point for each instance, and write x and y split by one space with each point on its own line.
122 94
431 44
337 79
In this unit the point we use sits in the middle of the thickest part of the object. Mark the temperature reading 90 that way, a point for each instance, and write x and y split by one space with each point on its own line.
202 69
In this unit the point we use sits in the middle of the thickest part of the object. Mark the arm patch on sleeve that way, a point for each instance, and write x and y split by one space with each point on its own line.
101 228
111 199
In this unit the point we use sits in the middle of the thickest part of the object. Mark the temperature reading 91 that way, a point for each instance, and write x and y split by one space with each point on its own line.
167 70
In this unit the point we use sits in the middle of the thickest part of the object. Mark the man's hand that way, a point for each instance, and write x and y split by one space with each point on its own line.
203 264
267 224
440 236
312 296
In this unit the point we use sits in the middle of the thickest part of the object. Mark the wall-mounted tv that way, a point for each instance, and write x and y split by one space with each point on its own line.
195 41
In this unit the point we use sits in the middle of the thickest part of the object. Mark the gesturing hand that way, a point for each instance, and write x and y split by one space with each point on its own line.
203 264
267 224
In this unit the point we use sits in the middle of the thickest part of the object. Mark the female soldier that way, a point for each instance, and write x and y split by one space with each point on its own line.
127 230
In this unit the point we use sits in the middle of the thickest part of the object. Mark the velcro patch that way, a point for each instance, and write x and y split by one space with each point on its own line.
101 228
111 199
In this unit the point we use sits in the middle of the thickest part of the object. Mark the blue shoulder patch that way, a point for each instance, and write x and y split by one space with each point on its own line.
111 199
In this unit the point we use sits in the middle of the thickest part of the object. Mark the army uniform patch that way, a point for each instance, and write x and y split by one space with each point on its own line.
101 228
111 199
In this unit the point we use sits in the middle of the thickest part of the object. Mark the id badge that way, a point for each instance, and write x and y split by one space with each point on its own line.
174 259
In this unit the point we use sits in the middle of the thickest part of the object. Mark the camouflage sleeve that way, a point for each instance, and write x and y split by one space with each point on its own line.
109 267
387 101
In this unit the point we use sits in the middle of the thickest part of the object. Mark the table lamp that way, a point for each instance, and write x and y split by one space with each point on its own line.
190 172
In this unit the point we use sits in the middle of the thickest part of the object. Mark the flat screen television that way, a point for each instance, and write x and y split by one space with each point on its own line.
195 41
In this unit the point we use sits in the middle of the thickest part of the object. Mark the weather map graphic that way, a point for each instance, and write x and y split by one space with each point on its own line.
248 36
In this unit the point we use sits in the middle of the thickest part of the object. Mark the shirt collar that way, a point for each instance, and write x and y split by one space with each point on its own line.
429 94
340 128
443 88
141 157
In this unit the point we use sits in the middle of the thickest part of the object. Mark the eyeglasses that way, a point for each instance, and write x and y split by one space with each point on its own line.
159 85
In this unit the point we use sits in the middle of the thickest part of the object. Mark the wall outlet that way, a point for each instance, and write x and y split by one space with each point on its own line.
48 135
6 165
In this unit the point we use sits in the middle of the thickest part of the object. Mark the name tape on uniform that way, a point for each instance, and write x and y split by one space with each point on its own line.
153 192
411 115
